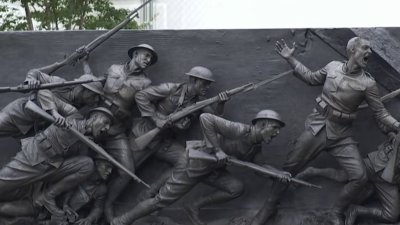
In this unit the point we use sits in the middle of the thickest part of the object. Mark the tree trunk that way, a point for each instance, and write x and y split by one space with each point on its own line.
28 15
83 14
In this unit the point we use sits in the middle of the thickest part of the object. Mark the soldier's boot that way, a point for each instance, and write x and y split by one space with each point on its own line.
142 209
269 208
154 188
264 214
47 200
354 211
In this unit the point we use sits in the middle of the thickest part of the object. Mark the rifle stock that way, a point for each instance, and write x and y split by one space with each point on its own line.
40 112
145 139
194 154
25 88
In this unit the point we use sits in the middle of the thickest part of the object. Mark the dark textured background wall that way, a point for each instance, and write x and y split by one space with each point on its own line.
236 57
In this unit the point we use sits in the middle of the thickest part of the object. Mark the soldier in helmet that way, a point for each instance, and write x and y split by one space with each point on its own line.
329 127
221 137
122 83
54 155
88 94
156 103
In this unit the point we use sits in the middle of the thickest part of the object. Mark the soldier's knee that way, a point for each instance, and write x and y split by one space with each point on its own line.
360 178
236 188
204 117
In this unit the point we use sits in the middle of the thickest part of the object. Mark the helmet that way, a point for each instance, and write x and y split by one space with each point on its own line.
144 46
202 73
96 87
103 110
268 114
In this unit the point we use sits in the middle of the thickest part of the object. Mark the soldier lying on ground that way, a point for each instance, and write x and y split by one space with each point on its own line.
220 137
156 103
383 177
53 156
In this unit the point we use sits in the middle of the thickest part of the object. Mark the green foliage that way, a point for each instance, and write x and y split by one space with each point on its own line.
63 15
10 18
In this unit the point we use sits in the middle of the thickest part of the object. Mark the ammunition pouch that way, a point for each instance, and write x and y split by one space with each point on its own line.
117 111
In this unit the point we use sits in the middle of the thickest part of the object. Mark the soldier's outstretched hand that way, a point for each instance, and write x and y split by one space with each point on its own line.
283 50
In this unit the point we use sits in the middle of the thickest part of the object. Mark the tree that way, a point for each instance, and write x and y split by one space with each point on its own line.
62 15
10 18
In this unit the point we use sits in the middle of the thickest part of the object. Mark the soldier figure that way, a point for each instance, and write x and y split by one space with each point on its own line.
91 193
156 103
122 83
87 94
51 156
220 137
345 86
383 174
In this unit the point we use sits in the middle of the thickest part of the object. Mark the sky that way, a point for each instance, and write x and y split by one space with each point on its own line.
216 14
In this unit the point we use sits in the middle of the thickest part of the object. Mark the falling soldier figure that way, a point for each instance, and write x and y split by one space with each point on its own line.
329 127
53 156
220 137
383 175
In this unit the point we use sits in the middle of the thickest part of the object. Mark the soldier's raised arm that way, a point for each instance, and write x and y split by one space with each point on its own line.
300 71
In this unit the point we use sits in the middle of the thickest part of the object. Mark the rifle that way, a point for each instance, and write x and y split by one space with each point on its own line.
40 112
142 141
86 49
25 88
383 98
195 154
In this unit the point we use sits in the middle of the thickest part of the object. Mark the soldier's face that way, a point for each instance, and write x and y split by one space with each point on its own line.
201 86
269 129
362 53
104 168
100 125
142 58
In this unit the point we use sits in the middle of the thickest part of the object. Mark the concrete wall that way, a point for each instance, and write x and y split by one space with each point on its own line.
236 57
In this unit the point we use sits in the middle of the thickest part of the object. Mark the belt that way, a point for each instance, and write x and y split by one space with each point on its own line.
325 109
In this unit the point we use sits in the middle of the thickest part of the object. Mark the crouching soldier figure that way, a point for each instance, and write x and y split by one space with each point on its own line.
52 156
221 137
383 175
89 195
